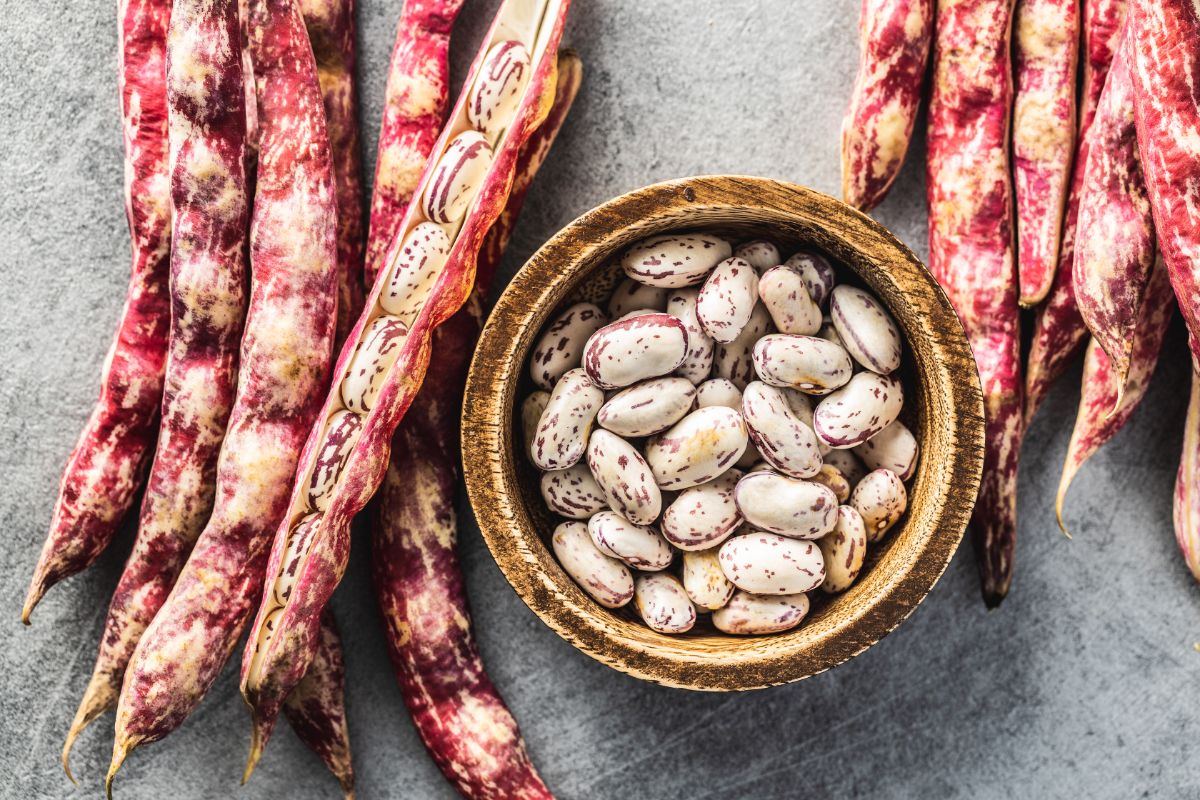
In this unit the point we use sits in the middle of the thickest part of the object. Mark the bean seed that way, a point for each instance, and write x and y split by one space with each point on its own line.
607 580
663 603
640 546
573 492
625 352
881 499
703 579
859 410
565 425
647 407
783 505
698 448
752 614
867 330
703 516
843 549
727 299
625 478
674 260
561 346
764 563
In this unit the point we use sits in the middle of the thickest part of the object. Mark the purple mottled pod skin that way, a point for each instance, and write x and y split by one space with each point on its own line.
698 362
727 299
607 580
761 254
718 392
698 448
784 440
818 275
494 97
859 410
788 507
881 499
704 580
647 407
573 492
703 516
751 614
561 346
639 546
785 296
844 549
663 604
893 448
867 330
805 363
420 260
625 477
764 563
380 347
563 430
674 260
457 177
734 361
339 438
635 348
631 296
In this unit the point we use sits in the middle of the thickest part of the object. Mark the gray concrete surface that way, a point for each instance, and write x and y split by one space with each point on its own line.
1084 684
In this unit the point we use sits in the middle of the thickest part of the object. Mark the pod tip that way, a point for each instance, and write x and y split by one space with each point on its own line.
256 750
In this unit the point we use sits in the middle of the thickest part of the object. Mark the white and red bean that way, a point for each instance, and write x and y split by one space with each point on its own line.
727 299
698 448
379 349
866 405
697 364
573 492
880 497
751 614
562 432
765 563
893 448
632 296
785 296
561 346
806 363
703 516
625 477
761 254
844 549
704 580
663 604
783 505
867 330
635 348
648 407
785 441
606 579
640 546
675 260
457 177
496 93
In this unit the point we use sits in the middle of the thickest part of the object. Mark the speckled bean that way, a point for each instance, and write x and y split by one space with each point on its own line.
493 99
531 415
697 364
764 563
752 614
784 440
416 269
625 478
339 438
893 448
848 464
698 448
817 272
866 329
457 177
783 505
843 549
881 499
859 410
380 347
832 477
562 433
718 392
727 299
297 548
561 346
573 492
829 333
703 516
607 580
761 254
785 296
734 361
704 580
631 296
663 603
640 546
675 260
806 363
633 349
647 407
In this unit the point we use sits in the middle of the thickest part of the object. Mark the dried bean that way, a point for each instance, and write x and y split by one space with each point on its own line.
562 433
784 440
866 329
806 363
763 563
818 274
639 546
832 478
784 294
698 448
663 604
531 414
859 410
735 361
561 346
786 506
698 362
718 392
727 299
893 448
881 500
647 407
703 579
631 295
761 254
703 516
606 579
673 261
843 549
625 477
755 614
845 462
627 351
573 492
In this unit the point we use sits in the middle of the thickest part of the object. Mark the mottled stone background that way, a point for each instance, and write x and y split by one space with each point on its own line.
1084 684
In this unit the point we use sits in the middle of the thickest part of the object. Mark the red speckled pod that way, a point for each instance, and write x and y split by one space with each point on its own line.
1187 483
894 40
283 637
1114 243
316 708
1166 40
1046 41
1058 331
414 108
285 362
103 473
330 25
1103 407
970 248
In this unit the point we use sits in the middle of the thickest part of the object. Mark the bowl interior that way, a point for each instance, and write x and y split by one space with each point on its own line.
943 407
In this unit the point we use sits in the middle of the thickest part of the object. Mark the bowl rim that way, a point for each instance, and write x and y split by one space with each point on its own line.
495 495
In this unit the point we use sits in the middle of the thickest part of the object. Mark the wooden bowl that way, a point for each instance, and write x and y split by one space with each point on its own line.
944 406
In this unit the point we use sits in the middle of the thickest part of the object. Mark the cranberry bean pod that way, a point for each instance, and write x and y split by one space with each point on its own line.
859 410
1058 331
1046 40
703 579
673 261
893 39
698 448
843 549
625 477
648 407
284 360
563 431
761 254
764 563
819 276
272 664
1114 242
413 112
330 26
639 546
418 583
735 361
893 448
606 579
881 499
573 492
784 294
1103 407
783 439
866 329
104 471
1186 506
727 299
663 604
755 614
698 363
635 348
806 363
971 248
703 516
786 506
561 346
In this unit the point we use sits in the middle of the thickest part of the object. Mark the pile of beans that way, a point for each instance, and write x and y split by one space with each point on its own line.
682 420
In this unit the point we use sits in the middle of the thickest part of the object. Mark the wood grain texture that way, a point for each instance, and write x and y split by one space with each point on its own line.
945 410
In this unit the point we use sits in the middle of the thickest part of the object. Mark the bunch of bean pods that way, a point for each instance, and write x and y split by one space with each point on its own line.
685 426
223 398
1063 217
